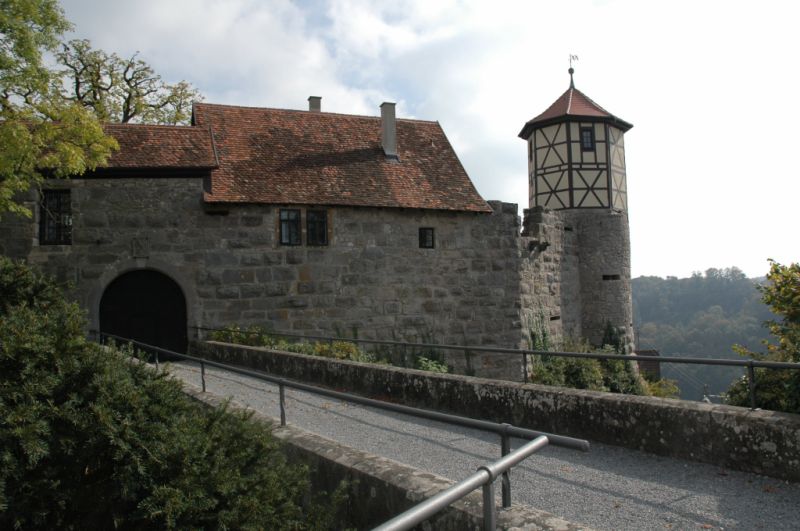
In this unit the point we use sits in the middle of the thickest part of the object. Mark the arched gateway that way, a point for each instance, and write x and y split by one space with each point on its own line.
147 306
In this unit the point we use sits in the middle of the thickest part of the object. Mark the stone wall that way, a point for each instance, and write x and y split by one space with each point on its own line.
553 273
380 489
588 270
764 442
481 284
603 262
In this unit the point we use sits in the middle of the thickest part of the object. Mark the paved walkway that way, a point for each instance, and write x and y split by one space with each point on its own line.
607 488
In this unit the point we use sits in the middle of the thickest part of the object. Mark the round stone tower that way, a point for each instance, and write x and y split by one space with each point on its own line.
576 166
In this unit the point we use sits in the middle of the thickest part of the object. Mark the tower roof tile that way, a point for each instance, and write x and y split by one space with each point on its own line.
573 103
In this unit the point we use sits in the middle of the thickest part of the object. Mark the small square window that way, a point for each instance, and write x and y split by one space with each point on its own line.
290 227
55 218
587 139
317 227
426 240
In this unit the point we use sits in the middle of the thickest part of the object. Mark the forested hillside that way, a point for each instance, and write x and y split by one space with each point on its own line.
701 316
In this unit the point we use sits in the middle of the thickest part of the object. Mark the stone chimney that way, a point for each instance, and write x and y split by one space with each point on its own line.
388 130
315 104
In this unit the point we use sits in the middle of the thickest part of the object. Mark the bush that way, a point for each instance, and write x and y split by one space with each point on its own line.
426 364
342 350
661 388
776 389
578 373
615 376
253 336
89 440
256 336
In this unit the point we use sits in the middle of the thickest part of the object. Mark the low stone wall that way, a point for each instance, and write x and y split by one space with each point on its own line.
764 442
379 488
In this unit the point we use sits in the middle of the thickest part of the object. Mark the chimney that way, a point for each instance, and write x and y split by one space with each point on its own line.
388 130
315 104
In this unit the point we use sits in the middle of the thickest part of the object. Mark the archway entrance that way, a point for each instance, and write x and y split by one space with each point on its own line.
147 306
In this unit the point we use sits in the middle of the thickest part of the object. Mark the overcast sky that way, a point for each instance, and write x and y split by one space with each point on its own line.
710 86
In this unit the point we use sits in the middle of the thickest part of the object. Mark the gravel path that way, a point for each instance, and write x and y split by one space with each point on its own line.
607 488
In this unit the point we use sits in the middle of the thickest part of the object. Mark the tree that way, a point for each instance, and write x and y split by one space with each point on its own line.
776 389
701 316
122 90
41 134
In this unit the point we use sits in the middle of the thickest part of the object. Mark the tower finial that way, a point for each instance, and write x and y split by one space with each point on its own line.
571 70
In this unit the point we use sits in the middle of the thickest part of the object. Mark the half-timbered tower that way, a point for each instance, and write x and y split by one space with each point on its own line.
576 167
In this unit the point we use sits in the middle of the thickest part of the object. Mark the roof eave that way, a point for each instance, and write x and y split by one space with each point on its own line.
530 126
210 200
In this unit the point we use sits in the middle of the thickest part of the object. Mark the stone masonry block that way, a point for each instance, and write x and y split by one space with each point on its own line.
295 256
236 276
227 292
284 273
251 291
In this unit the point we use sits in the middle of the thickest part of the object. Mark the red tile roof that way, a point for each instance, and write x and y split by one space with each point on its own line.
573 103
301 157
161 146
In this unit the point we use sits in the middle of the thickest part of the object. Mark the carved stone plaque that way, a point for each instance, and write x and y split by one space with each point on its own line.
140 248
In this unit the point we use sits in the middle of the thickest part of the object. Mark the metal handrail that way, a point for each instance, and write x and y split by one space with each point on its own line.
749 364
506 431
484 477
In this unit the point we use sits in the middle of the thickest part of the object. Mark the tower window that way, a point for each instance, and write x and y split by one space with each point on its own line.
426 240
290 227
587 139
317 227
55 218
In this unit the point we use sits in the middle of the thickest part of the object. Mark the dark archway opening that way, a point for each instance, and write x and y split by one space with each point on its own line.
146 306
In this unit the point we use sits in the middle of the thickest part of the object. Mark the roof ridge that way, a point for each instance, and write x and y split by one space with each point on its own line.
569 100
315 113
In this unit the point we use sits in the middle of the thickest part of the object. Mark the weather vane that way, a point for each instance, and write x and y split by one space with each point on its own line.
572 70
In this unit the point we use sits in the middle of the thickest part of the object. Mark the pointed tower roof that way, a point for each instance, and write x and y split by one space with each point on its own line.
572 104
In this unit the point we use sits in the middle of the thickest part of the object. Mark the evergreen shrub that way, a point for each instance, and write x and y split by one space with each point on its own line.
90 440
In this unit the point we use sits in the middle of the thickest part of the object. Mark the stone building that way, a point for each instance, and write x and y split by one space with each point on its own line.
320 223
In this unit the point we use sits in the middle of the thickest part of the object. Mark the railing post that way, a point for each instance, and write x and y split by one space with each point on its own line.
156 359
751 378
505 449
489 509
282 394
203 375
